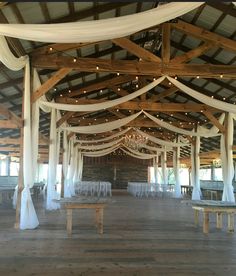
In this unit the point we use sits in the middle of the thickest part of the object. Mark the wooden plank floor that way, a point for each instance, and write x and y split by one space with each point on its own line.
141 237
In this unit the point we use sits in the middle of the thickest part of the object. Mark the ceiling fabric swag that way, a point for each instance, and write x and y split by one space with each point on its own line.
101 146
162 142
97 30
105 126
134 155
158 150
103 105
170 127
117 134
203 98
101 152
138 152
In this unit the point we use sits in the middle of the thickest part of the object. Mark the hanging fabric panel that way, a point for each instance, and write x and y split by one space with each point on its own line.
65 164
97 30
176 167
134 155
101 146
103 105
203 98
195 168
136 152
101 152
105 126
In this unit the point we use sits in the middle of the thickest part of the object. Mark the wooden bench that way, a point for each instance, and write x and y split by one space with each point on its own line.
217 207
71 204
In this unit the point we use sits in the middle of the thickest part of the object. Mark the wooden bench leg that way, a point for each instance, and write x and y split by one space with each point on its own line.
219 220
196 217
100 221
231 222
205 222
69 221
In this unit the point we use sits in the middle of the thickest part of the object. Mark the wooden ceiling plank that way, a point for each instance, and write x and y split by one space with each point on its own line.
163 94
8 124
135 49
65 117
46 86
204 34
214 121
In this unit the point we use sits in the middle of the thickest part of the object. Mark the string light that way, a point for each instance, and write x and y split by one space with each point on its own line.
224 99
55 89
176 77
76 101
50 49
84 91
198 77
118 89
136 77
117 73
69 91
97 67
74 59
154 79
136 85
212 97
60 95
169 83
221 76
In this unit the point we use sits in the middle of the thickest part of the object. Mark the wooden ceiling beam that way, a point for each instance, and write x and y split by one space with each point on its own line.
46 86
165 49
205 35
158 107
10 116
16 141
214 121
163 94
8 124
135 49
193 53
133 67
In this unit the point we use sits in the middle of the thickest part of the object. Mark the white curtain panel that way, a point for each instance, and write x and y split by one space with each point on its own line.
28 216
105 104
164 168
80 166
52 166
134 155
195 168
72 167
101 146
176 167
227 160
204 133
117 134
221 105
160 141
155 166
97 30
103 127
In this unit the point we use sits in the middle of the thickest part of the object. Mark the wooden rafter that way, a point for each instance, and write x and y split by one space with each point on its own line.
135 67
206 35
136 49
163 94
165 50
214 121
132 105
11 117
50 83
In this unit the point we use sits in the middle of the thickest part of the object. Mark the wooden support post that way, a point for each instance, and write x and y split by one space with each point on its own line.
231 222
62 182
196 217
166 43
100 222
69 221
219 220
205 222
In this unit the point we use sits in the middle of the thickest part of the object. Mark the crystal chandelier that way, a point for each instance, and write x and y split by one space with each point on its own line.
135 141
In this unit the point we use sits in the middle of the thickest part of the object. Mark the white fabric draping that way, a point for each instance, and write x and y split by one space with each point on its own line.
134 155
100 152
155 166
65 164
160 141
205 133
164 168
52 166
97 30
28 216
203 98
105 126
103 105
227 160
101 146
138 153
80 165
72 168
195 167
151 148
176 156
117 134
8 59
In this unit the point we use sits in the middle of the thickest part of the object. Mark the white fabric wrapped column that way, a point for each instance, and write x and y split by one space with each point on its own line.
80 165
164 168
28 217
227 159
65 165
155 165
195 164
176 156
52 165
72 167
